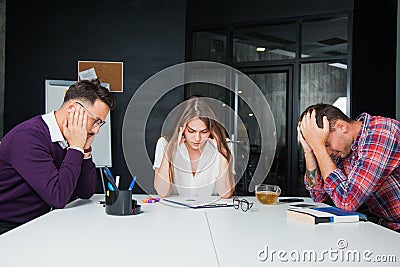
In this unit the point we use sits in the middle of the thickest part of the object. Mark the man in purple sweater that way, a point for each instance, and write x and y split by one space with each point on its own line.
46 160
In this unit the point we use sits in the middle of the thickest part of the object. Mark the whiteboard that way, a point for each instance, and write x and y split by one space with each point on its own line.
101 154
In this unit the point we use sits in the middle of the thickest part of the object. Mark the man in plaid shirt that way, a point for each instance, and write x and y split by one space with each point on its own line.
354 162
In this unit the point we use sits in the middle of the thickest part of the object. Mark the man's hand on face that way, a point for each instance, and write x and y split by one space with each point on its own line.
306 147
314 136
74 127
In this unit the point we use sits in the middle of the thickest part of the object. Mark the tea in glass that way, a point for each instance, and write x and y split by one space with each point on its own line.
267 194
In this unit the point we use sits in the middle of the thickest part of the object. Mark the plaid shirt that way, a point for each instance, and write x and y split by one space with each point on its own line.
370 174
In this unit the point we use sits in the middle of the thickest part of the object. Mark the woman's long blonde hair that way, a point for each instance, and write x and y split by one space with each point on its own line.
194 108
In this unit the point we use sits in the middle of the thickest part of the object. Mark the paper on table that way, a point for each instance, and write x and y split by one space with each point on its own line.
198 202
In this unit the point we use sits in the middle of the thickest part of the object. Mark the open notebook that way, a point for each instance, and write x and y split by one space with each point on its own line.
198 202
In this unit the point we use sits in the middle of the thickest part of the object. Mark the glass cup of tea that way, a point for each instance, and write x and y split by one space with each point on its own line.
267 194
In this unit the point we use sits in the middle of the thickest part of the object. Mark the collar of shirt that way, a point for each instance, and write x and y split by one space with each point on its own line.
364 118
207 158
55 132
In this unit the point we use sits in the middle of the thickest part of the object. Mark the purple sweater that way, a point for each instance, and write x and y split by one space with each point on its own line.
36 174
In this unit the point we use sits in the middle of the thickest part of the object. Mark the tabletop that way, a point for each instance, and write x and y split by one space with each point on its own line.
82 234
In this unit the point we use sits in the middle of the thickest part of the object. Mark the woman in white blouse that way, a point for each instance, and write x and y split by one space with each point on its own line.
196 160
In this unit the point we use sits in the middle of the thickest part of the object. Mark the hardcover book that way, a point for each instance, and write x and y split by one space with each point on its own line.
328 214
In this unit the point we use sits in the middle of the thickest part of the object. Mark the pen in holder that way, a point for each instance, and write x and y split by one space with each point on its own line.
121 203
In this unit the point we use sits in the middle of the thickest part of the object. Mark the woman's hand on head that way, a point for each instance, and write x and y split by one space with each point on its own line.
181 136
213 141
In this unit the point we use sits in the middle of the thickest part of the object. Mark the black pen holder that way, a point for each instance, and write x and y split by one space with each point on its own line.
121 203
135 207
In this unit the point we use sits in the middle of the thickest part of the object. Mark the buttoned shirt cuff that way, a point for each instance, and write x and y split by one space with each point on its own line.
317 189
76 148
88 157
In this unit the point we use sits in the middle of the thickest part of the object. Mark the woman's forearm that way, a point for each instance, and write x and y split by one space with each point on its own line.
162 179
225 182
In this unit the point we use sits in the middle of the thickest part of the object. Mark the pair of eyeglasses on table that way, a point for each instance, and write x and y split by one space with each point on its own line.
243 204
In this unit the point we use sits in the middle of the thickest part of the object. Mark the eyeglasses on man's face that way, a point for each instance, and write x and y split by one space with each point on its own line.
242 203
97 121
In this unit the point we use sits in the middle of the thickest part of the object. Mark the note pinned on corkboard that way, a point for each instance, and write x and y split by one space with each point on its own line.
107 72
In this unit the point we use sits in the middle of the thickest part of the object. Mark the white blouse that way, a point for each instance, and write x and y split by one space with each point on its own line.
185 184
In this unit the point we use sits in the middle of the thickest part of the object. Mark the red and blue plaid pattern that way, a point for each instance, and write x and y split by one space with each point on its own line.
371 173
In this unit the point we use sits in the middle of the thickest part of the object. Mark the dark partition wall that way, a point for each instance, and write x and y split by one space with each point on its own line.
374 58
223 12
45 39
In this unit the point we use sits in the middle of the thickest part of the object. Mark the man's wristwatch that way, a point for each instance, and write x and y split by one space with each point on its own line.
87 150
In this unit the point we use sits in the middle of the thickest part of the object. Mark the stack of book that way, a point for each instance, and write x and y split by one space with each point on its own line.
327 214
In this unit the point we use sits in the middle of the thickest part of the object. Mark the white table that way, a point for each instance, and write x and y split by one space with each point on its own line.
240 237
83 235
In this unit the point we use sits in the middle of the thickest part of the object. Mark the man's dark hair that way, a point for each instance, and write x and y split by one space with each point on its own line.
331 112
90 91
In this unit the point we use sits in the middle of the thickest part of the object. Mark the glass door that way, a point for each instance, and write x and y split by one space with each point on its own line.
274 83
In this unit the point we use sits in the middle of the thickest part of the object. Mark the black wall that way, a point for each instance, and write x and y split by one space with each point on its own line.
45 39
241 12
374 58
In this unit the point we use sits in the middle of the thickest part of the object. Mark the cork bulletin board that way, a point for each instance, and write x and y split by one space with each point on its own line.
107 72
